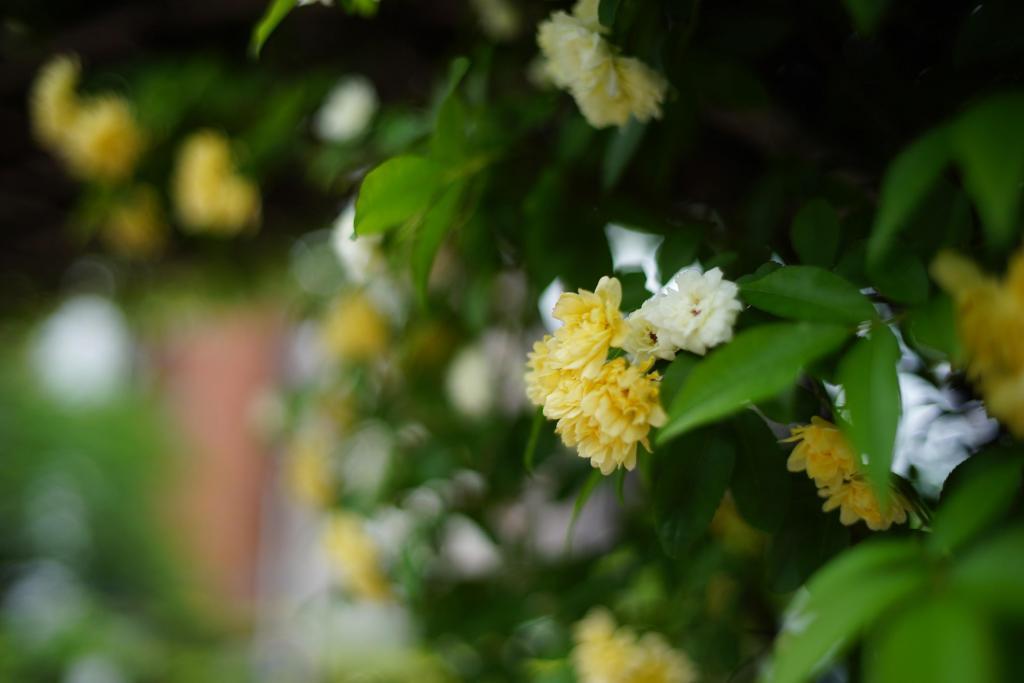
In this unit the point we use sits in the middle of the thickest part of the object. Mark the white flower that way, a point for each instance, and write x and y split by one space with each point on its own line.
694 313
607 87
359 256
348 110
471 382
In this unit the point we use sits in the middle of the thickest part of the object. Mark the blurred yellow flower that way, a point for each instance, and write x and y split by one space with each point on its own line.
104 142
309 466
822 451
97 137
856 500
828 458
607 87
990 324
354 329
498 18
616 411
354 554
53 102
605 653
209 193
135 228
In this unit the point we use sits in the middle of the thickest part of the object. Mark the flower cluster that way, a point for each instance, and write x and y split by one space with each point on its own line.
605 653
607 87
209 193
695 312
990 324
605 408
825 454
354 329
97 137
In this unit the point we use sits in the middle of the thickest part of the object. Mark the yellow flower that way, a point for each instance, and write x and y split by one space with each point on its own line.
614 413
604 653
856 500
309 472
354 330
607 87
53 102
823 452
354 554
209 193
990 324
592 325
135 228
104 142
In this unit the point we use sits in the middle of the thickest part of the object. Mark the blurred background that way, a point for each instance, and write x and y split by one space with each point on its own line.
237 443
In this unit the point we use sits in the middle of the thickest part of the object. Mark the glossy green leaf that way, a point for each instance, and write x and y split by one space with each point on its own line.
980 499
606 11
932 328
275 13
438 221
450 129
808 293
530 453
807 539
940 640
815 233
757 364
990 150
901 277
990 575
690 479
872 390
760 481
399 189
907 181
622 145
593 479
841 601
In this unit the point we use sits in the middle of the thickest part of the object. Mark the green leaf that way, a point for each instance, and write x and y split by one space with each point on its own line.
941 640
982 498
907 181
808 293
689 482
531 444
399 189
621 147
932 327
990 150
450 128
866 14
991 574
757 364
760 481
274 15
582 497
807 539
872 389
815 233
902 277
438 221
841 601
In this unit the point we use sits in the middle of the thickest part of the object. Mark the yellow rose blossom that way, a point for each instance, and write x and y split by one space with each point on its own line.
104 142
828 458
592 325
605 653
990 325
615 413
135 228
856 500
822 451
354 330
354 554
607 87
53 102
209 193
